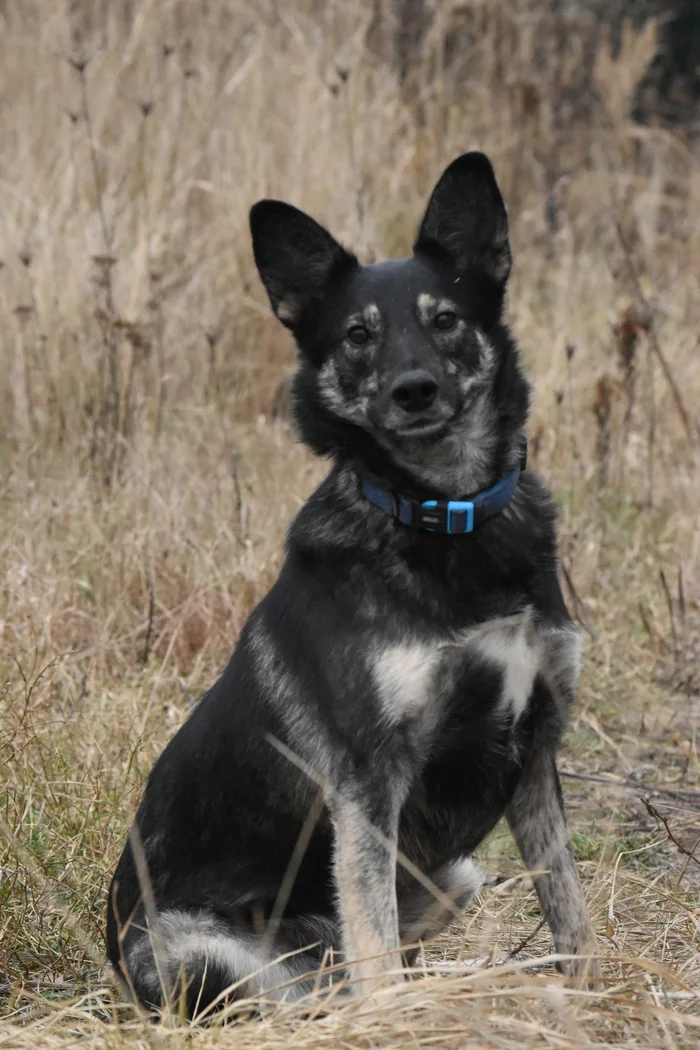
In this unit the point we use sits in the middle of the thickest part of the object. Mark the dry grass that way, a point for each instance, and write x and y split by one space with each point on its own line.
145 486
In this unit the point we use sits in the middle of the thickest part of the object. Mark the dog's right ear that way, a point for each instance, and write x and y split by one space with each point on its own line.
466 219
296 258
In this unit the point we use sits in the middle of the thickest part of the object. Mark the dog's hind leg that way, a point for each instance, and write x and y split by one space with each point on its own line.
537 820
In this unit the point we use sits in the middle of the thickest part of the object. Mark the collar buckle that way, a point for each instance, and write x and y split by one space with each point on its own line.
453 517
448 517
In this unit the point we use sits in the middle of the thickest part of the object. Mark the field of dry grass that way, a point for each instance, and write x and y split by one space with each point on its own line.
146 480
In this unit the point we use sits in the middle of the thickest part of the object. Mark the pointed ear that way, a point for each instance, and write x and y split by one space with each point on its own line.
466 219
296 258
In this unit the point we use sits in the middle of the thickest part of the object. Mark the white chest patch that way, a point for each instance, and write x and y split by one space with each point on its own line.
409 676
405 678
515 650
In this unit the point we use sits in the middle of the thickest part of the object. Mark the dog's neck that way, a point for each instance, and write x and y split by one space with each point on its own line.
451 469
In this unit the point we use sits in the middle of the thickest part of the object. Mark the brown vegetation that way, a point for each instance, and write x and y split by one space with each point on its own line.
147 470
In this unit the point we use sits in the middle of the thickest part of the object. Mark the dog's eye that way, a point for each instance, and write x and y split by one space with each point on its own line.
358 335
445 320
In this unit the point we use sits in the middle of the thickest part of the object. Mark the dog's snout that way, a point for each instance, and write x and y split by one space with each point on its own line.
414 391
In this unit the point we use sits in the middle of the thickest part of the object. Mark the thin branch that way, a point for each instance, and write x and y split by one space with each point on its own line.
653 812
149 627
679 794
577 602
525 941
671 616
653 338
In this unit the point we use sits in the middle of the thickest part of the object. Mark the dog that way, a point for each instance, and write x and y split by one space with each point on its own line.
406 681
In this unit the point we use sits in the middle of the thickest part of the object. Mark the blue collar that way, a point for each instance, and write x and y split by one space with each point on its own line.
452 517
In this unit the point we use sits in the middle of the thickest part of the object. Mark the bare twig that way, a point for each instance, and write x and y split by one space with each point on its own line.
653 338
653 812
525 941
38 987
602 410
671 615
238 493
106 424
651 426
680 794
577 602
149 626
681 596
645 622
80 66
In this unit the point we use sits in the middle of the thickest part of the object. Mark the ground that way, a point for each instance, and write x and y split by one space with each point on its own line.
148 472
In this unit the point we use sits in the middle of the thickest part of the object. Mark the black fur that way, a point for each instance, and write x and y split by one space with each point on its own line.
360 602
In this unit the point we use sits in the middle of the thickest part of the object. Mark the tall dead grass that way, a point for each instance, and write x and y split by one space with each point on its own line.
145 485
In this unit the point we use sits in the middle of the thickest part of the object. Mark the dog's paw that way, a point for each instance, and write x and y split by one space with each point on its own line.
583 968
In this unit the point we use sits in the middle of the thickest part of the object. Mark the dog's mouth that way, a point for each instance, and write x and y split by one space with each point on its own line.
429 426
420 429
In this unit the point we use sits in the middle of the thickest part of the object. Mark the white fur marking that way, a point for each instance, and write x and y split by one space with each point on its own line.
562 660
288 308
487 350
404 674
372 315
429 307
572 652
463 880
426 307
516 652
190 938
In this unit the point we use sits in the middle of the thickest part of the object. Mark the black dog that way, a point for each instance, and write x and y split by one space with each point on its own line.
406 681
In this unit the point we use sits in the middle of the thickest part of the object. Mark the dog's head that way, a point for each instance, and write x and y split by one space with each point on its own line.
405 365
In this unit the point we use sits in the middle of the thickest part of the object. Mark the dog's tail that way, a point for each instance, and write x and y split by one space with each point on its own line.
196 959
425 914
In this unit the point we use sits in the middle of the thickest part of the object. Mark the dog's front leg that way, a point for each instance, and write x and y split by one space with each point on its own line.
365 875
537 820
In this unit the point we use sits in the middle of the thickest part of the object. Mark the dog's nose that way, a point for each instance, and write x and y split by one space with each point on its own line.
414 391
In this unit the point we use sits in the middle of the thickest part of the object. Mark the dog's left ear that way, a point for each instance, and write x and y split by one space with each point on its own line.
466 219
297 258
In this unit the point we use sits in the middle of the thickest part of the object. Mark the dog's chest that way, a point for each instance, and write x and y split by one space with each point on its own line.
487 670
462 704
